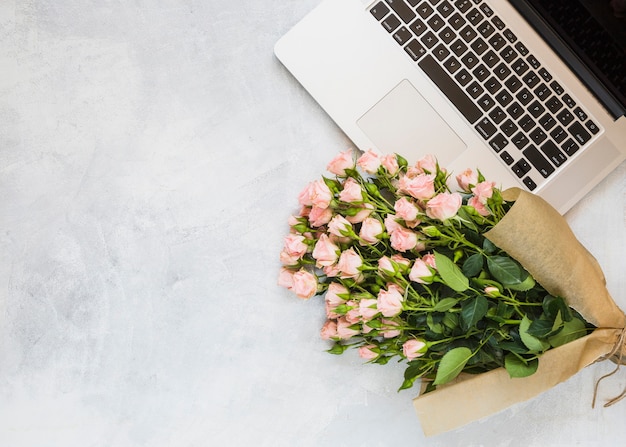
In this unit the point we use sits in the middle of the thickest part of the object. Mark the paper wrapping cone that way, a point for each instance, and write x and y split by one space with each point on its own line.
539 238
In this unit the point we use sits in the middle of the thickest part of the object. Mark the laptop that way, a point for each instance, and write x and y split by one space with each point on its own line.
531 92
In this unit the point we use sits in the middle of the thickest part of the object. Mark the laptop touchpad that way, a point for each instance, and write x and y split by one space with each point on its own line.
405 123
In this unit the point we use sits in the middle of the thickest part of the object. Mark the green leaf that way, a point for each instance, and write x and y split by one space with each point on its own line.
450 320
506 270
433 325
473 265
553 305
572 330
445 304
450 273
337 349
489 246
524 286
532 343
473 311
540 328
516 367
452 364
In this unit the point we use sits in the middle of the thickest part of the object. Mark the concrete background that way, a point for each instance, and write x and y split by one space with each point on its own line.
150 154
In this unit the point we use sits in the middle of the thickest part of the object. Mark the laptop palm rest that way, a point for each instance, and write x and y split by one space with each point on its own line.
405 123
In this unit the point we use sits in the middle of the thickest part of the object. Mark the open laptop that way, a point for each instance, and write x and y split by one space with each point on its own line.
531 92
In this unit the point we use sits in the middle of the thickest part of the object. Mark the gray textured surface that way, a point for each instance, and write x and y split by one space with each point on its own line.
150 154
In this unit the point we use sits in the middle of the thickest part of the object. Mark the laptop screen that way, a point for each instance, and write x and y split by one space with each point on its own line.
590 35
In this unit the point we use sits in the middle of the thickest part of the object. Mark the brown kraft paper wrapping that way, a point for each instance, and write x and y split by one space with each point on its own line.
539 238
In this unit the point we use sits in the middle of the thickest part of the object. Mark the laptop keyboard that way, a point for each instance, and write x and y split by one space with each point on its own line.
493 80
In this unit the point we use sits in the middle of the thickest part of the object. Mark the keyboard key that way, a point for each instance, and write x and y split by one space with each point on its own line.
553 153
507 157
515 110
425 10
490 58
463 5
581 136
558 134
391 23
458 47
497 42
463 77
538 136
565 117
486 10
403 10
486 102
570 147
567 99
593 128
508 54
415 49
429 39
524 96
531 79
481 72
509 35
498 142
520 66
530 184
475 89
538 161
521 48
452 91
470 60
468 34
474 16
542 92
485 128
452 64
447 35
547 121
554 104
545 74
502 71
508 127
403 35
536 109
520 140
413 2
532 60
441 52
513 83
504 97
580 114
456 21
445 9
498 23
479 46
418 27
492 85
526 123
521 168
485 29
436 22
379 11
557 88
497 115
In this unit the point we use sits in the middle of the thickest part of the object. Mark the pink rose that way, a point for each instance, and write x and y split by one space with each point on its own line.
369 162
336 294
492 292
467 179
351 191
443 206
391 224
325 252
389 301
305 196
288 259
361 215
294 245
349 263
389 328
345 329
320 216
386 266
341 162
413 349
484 190
427 164
354 314
285 278
331 271
329 331
421 187
479 206
315 194
368 308
403 239
429 259
420 272
371 229
390 163
405 209
367 353
403 263
339 226
304 284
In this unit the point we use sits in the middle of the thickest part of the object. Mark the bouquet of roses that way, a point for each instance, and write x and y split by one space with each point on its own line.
416 269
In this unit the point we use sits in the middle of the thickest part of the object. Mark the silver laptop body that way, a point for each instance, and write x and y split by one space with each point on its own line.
470 81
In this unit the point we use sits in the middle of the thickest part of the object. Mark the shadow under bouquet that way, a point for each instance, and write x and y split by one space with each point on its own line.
472 287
